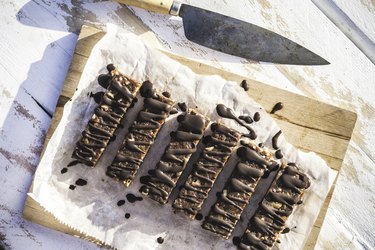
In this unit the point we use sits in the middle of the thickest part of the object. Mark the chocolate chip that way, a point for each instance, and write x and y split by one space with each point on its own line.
132 198
104 80
182 106
110 67
199 216
97 96
72 187
256 116
73 163
127 215
81 182
278 154
245 85
64 170
120 203
278 106
166 94
236 240
160 240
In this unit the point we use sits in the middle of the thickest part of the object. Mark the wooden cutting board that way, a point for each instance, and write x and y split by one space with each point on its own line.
308 124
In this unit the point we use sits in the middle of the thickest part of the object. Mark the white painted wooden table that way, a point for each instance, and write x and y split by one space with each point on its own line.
37 39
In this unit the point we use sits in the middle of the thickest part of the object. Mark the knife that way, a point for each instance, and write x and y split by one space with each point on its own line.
232 36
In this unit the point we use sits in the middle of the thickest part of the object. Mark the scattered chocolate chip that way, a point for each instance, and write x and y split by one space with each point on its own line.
110 67
127 215
286 230
299 202
81 182
245 85
72 187
278 106
256 117
278 241
275 140
278 154
73 163
236 240
64 170
261 145
182 106
132 198
120 203
199 216
166 94
160 240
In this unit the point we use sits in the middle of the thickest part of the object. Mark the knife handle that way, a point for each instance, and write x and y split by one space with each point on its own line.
159 6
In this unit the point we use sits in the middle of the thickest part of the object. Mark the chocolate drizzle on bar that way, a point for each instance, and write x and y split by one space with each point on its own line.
182 145
107 117
225 213
218 147
141 136
275 140
226 112
269 220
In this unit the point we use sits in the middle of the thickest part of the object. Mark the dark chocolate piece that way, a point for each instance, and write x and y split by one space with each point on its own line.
97 96
218 147
106 118
279 154
182 145
141 136
278 106
256 117
64 170
278 204
245 85
160 240
247 119
199 216
72 187
182 106
120 203
81 182
275 140
225 213
132 198
127 215
226 112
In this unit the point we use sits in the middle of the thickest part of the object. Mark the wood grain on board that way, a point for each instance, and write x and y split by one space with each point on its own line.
308 124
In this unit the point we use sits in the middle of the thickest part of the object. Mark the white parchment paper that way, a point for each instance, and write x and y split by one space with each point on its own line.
92 208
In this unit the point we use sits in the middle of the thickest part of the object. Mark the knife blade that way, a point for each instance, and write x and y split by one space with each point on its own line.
231 35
